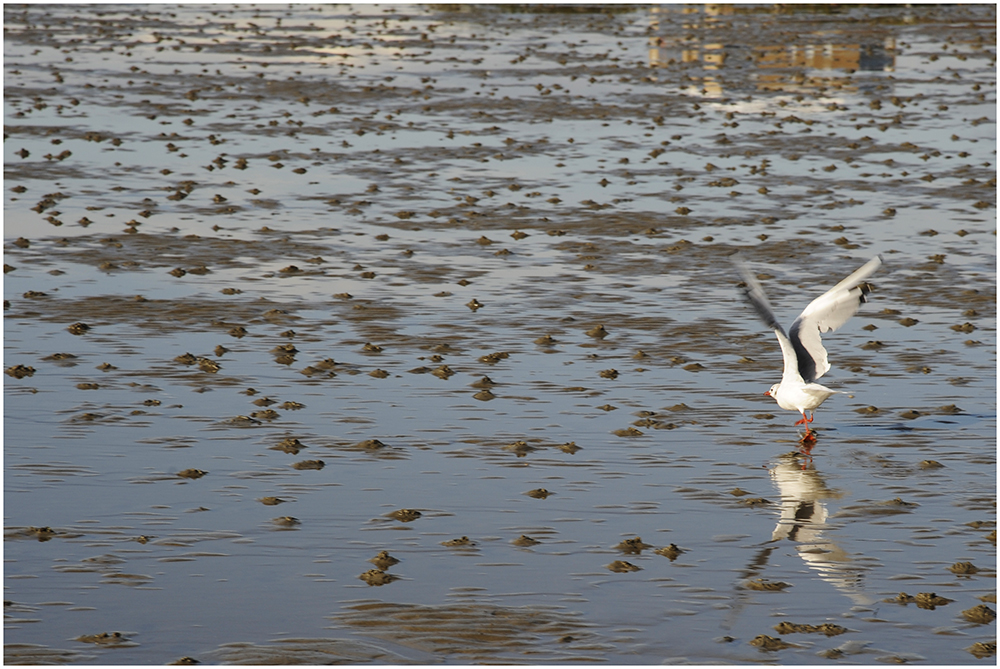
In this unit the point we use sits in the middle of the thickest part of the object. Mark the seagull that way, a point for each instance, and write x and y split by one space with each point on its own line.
803 352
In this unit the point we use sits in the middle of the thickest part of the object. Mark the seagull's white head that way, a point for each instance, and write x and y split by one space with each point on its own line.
773 392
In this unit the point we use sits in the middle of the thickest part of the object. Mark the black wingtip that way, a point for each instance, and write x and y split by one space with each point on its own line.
865 288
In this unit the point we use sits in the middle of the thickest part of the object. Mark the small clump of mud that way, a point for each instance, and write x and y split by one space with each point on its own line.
829 629
383 560
672 552
634 546
42 533
105 639
963 568
309 464
520 448
980 614
289 445
377 577
924 600
405 515
770 643
20 371
983 649
622 567
766 585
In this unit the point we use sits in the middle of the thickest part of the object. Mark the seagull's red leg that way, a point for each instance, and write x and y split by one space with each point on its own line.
808 439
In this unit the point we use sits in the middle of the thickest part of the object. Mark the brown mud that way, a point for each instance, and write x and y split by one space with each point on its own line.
453 283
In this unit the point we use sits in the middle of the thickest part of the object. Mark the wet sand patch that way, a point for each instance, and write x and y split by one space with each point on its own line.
365 259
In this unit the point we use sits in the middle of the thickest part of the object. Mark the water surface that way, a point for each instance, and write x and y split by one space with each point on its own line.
329 224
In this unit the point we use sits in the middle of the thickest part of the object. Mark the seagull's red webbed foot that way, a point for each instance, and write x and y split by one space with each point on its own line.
806 443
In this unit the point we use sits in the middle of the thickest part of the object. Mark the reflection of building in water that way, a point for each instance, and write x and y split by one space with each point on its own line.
826 56
708 35
803 520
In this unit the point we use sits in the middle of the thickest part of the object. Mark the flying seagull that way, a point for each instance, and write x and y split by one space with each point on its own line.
802 349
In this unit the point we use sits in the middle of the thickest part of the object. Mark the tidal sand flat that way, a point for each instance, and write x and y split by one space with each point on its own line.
408 334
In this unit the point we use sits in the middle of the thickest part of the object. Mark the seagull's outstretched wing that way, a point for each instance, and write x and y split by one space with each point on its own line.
755 295
827 313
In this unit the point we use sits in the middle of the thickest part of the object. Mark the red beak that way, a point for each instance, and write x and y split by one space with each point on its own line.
767 392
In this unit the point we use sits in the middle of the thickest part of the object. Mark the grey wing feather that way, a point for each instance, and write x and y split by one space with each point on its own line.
754 293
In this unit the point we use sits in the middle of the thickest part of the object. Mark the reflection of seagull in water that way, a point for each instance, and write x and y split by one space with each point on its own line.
803 520
803 352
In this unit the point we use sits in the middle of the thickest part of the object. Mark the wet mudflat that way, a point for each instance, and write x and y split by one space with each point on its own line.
405 334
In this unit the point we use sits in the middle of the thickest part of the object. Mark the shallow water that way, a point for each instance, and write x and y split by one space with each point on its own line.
348 181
